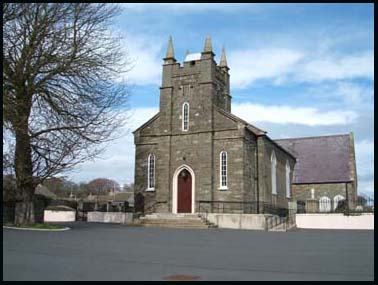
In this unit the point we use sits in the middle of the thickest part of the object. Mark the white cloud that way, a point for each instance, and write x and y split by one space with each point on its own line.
283 114
365 148
365 158
364 151
247 66
341 67
117 162
145 54
353 93
280 65
139 116
366 187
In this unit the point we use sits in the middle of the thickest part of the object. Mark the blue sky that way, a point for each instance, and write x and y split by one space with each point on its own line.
296 70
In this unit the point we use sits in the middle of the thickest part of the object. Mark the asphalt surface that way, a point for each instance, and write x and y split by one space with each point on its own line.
91 251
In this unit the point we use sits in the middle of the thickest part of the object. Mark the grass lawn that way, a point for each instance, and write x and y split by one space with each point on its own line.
36 226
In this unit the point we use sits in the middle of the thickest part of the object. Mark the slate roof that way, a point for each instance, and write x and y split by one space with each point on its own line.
44 191
255 130
320 159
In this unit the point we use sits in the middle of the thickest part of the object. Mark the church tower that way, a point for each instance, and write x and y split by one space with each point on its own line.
198 84
194 151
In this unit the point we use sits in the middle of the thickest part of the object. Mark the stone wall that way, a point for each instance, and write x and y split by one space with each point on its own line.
250 172
59 216
238 221
233 144
335 221
303 191
195 151
205 86
110 217
265 148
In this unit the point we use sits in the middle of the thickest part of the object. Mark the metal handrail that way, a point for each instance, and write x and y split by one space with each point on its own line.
345 206
246 207
282 220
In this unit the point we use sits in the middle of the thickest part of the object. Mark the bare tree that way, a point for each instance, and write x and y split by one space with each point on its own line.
128 187
61 101
101 186
60 186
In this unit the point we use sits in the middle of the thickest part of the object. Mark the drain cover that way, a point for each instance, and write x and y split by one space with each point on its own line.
181 277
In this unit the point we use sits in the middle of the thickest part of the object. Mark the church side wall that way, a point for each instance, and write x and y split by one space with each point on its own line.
232 142
265 187
158 146
250 173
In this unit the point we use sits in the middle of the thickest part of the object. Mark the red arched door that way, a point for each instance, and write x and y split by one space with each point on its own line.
184 192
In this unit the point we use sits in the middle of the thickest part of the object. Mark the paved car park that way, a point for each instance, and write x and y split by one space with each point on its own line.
91 251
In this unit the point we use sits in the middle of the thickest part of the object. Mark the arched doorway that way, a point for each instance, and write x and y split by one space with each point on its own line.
183 190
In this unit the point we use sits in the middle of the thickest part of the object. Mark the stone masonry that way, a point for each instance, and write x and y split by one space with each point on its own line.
205 86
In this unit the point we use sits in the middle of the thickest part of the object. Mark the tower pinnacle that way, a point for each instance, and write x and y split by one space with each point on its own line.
208 47
170 56
207 50
223 60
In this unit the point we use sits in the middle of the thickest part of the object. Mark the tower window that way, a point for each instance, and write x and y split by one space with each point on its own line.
185 116
223 170
151 172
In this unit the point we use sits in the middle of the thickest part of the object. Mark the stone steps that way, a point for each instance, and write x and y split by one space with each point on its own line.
171 216
204 226
168 220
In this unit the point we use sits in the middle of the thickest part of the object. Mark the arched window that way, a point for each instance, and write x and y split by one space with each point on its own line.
223 169
336 200
273 161
185 116
324 204
151 172
288 192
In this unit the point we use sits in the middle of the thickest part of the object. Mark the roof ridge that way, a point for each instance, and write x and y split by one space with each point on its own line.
324 136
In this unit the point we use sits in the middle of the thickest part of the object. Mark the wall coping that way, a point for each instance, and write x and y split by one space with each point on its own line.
335 214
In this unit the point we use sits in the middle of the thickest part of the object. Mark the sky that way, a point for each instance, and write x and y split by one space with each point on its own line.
296 70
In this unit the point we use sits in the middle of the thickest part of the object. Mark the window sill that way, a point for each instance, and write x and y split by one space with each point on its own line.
275 194
150 190
223 188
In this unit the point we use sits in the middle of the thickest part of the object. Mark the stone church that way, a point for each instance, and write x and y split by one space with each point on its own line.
194 154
